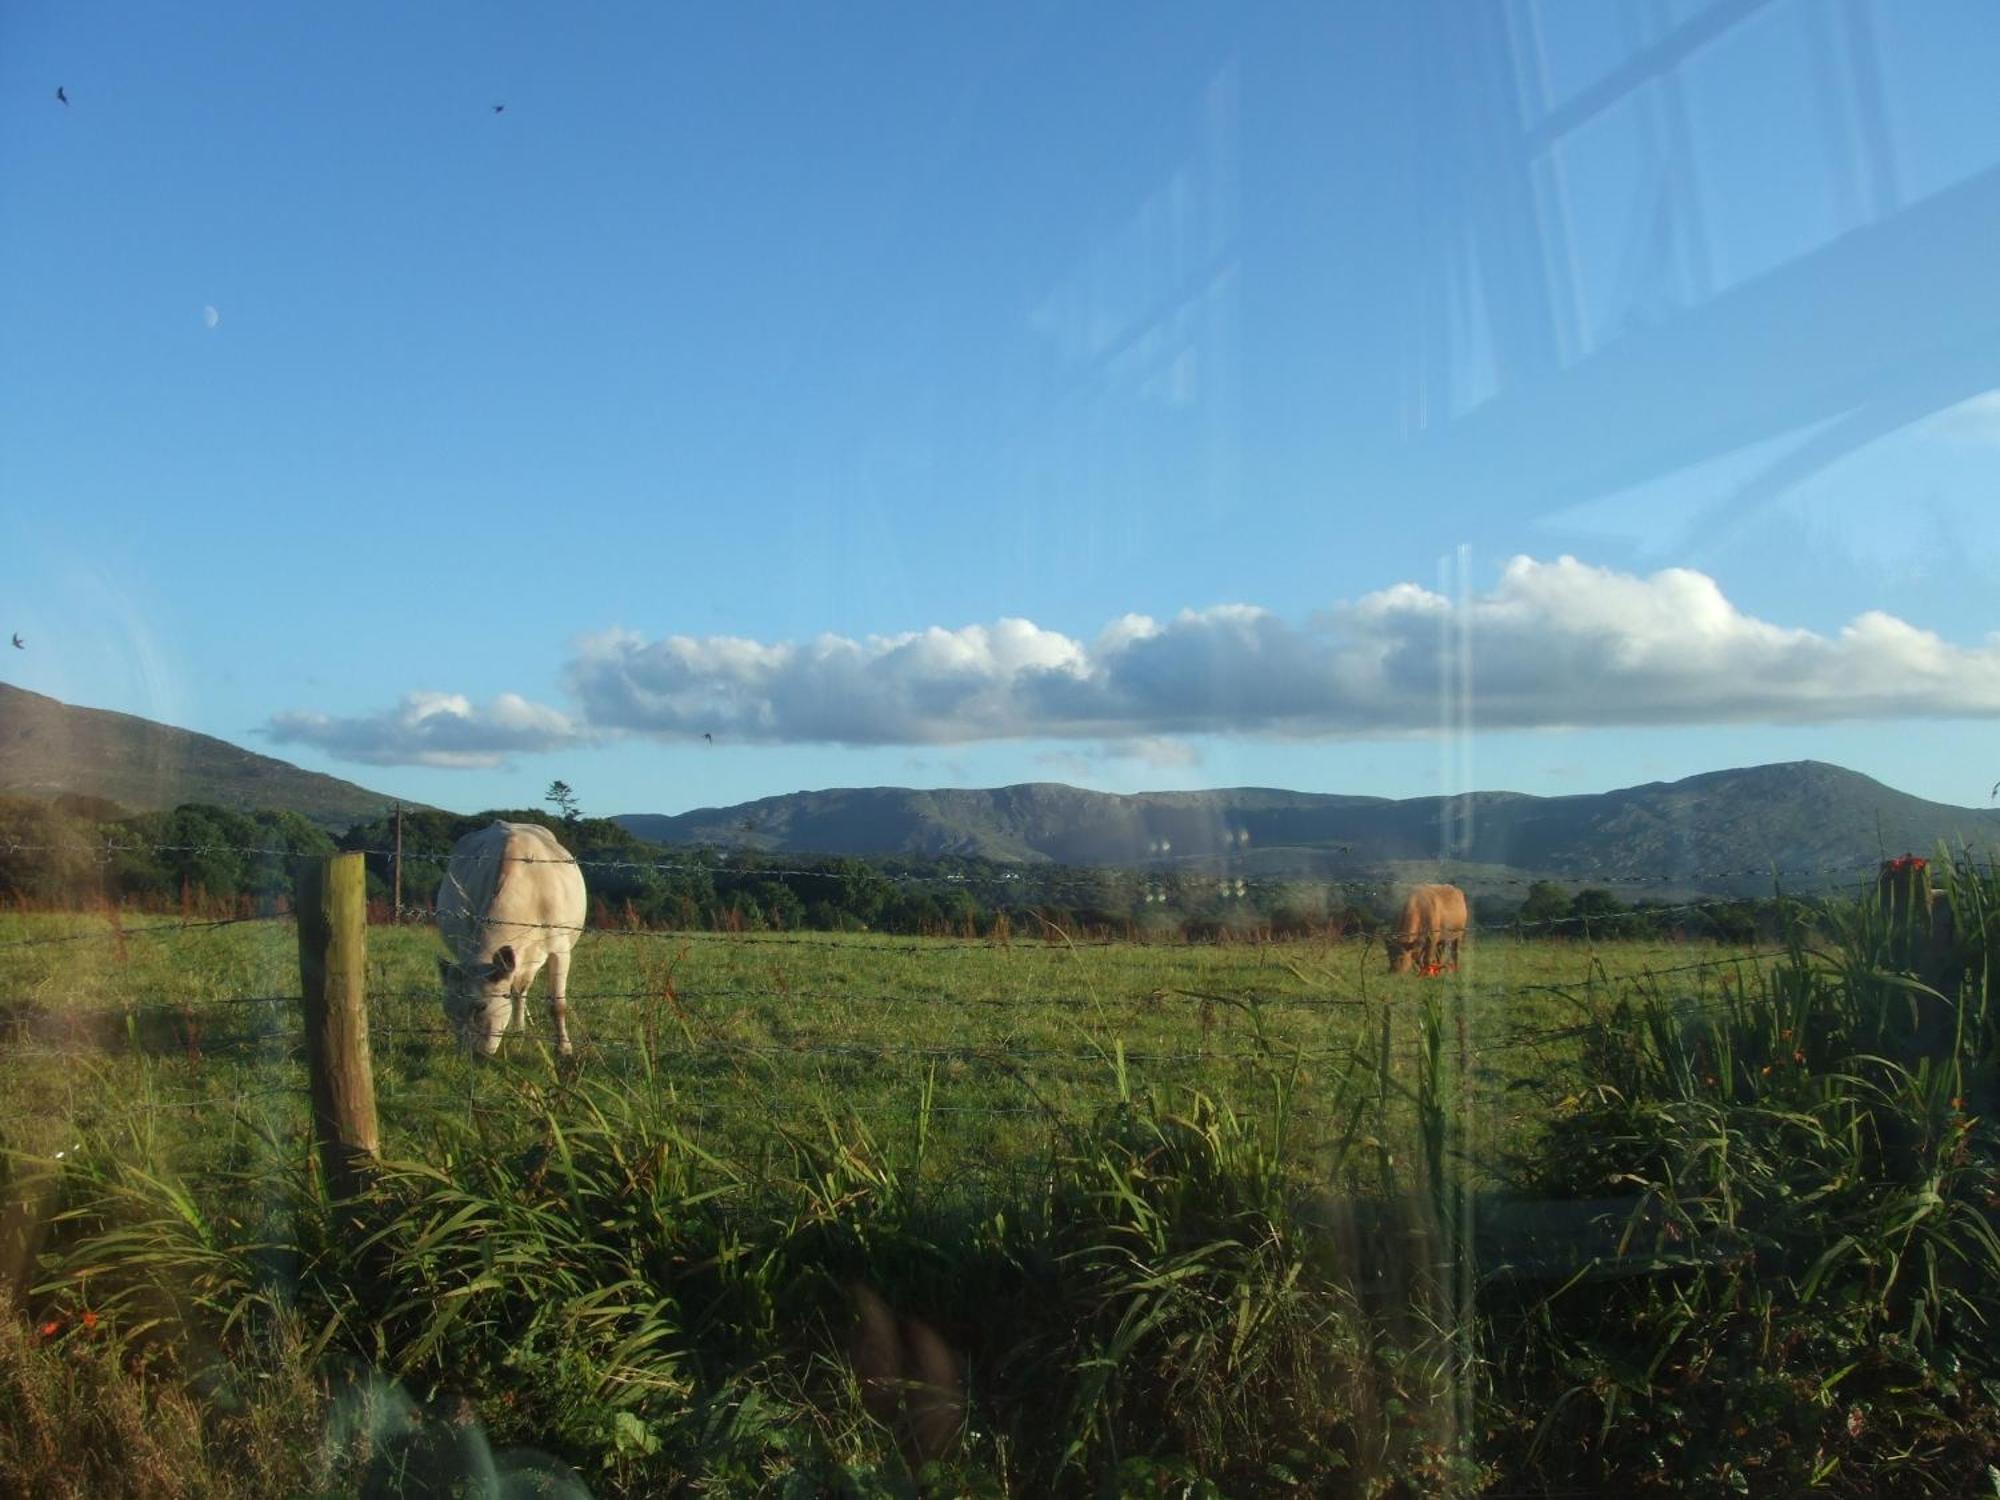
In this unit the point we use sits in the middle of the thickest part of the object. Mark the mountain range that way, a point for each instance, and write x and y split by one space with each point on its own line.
1724 831
1811 823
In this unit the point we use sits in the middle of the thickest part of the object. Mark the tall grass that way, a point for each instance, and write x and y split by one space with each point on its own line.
1751 1249
1801 1272
1162 1294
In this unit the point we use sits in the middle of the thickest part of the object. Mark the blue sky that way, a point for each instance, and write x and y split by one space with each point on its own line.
743 328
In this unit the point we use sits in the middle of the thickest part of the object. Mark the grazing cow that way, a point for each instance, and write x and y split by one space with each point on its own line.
512 900
1434 920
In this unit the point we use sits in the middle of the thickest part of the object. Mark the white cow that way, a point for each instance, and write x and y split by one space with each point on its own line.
512 900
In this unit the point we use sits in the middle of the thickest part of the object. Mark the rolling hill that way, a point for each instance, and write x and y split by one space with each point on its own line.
48 748
1722 831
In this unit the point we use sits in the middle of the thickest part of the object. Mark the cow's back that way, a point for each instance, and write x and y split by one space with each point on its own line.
1449 912
511 884
1433 908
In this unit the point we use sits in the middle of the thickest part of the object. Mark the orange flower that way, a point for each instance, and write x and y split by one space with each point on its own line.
51 1328
89 1318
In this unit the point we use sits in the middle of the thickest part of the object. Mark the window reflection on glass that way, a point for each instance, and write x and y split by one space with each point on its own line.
1106 753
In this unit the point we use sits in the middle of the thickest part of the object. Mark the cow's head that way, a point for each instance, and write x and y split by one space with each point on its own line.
479 1000
1402 955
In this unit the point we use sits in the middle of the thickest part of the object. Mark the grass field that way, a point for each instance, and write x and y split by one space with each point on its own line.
1189 1220
750 1031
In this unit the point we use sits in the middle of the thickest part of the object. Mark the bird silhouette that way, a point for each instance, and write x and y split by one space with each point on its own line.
710 738
1989 796
499 108
61 97
19 644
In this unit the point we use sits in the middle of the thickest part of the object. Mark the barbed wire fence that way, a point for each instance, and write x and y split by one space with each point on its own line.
187 1027
1245 889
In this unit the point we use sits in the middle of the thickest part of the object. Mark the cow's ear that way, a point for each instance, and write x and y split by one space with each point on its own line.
503 962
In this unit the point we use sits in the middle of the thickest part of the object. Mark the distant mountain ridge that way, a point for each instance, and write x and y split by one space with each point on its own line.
1720 831
49 748
1723 831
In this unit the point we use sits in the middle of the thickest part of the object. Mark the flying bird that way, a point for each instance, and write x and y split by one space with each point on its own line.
19 644
61 97
1989 796
710 738
499 108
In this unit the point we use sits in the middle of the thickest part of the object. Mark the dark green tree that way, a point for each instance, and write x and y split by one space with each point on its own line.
564 799
1599 914
1546 908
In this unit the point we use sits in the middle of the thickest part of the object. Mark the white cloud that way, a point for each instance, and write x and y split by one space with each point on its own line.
932 686
1553 644
1975 421
434 729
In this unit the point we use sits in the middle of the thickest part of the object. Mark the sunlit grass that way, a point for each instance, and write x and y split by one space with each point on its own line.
746 1033
1191 1219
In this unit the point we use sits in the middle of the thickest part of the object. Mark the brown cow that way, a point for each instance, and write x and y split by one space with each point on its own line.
1434 920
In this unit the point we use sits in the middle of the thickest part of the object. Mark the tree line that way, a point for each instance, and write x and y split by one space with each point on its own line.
81 851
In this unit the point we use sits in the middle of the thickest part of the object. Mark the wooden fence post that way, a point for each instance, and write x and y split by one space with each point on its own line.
332 901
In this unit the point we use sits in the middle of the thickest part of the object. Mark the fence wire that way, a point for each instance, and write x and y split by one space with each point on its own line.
725 863
1006 883
183 1022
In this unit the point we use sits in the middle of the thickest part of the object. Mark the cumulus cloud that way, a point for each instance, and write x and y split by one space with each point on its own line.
1553 644
931 686
434 729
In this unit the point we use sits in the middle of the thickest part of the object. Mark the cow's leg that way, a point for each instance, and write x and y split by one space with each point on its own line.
527 988
558 1000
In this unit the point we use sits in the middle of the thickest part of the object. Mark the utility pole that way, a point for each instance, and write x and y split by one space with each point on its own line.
397 915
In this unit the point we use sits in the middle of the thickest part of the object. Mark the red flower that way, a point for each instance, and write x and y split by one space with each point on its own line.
89 1318
51 1328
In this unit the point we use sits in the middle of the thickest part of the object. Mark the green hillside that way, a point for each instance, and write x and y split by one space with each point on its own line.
50 749
1722 831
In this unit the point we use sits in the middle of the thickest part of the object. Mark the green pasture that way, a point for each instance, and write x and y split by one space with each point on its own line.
171 1033
1178 1220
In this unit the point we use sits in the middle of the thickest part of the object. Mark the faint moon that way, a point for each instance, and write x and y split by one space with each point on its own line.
210 317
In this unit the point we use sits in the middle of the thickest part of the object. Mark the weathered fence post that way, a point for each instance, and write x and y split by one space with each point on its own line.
332 899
